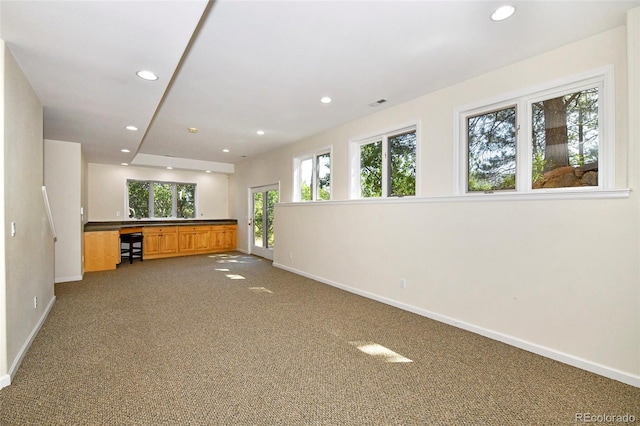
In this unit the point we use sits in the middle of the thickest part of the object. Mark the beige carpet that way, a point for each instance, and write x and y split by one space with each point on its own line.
230 340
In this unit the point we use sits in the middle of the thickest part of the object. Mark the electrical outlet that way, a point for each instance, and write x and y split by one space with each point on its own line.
35 302
13 229
403 283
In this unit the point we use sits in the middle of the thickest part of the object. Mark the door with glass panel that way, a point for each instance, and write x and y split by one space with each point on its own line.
262 202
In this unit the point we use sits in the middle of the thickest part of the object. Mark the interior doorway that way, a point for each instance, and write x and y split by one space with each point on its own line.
262 201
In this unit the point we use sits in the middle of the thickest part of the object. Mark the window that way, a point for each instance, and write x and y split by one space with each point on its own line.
313 176
149 199
386 165
545 140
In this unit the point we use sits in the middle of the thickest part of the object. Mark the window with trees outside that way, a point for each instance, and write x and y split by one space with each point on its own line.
545 140
150 199
313 177
386 165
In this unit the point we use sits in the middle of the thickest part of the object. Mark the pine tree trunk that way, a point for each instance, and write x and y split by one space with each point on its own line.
557 149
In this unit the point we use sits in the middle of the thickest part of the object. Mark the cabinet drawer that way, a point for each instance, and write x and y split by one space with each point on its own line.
193 228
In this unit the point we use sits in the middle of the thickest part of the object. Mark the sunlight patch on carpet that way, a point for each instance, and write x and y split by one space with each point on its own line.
223 269
379 351
260 290
235 276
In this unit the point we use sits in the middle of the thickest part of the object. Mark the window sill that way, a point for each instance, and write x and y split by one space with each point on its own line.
480 197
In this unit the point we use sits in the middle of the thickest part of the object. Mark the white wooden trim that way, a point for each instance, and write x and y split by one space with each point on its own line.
539 195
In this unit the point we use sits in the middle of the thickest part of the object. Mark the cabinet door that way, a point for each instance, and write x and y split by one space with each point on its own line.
186 241
217 238
101 250
230 237
202 237
169 242
151 245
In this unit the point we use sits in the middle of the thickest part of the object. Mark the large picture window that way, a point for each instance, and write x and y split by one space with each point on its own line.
150 199
559 137
386 165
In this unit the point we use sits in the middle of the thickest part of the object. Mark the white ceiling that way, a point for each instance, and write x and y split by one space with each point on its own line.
230 68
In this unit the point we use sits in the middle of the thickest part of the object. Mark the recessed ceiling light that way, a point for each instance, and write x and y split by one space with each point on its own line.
124 164
169 168
326 100
147 75
125 150
207 171
503 13
132 128
225 150
260 132
193 130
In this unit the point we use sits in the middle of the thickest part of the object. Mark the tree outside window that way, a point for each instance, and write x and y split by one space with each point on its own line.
548 139
492 150
148 199
314 177
388 165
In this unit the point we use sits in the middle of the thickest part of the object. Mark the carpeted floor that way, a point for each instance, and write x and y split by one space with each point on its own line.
230 340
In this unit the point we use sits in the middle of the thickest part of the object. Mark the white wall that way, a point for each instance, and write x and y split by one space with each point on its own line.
63 179
28 256
5 379
107 190
558 277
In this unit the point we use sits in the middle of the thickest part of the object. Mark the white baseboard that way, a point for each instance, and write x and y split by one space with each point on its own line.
25 347
67 279
593 367
5 381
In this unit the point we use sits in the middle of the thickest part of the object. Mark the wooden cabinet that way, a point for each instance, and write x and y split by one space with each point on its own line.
101 250
160 242
192 239
224 237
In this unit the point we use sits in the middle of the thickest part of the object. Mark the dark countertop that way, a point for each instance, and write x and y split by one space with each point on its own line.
116 226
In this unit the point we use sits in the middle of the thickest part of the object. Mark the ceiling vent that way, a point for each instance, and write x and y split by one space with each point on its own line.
378 102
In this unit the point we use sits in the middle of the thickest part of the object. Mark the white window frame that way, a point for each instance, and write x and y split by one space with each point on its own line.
297 173
602 78
354 156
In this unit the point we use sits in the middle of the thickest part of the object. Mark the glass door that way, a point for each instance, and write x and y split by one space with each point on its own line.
262 202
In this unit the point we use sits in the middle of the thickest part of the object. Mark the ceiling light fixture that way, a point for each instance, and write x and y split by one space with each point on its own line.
207 171
193 130
124 164
169 168
225 150
124 150
260 132
132 128
326 100
503 13
147 75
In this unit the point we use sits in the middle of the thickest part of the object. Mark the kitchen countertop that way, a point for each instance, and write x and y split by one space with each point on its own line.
118 225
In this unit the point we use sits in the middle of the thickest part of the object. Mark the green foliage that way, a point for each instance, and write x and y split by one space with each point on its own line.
492 150
138 199
259 225
402 153
272 199
162 199
305 191
258 217
371 169
163 195
186 200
